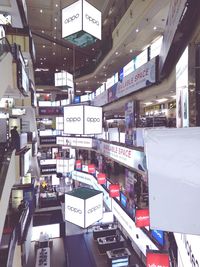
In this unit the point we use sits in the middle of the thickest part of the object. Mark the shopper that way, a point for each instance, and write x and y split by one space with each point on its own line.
15 139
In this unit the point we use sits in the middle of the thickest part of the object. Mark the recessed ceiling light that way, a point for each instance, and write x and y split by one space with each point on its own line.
41 63
161 100
54 53
55 19
42 31
104 67
131 50
105 74
54 37
98 82
88 91
54 28
54 43
41 11
86 81
41 58
137 30
43 46
93 49
148 103
116 53
45 58
67 48
56 5
64 58
95 76
155 28
86 60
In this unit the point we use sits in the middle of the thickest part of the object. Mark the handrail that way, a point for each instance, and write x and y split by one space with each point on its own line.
4 47
4 167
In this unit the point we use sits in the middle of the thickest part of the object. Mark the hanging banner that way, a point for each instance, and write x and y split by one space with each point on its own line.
142 218
143 77
101 178
129 123
157 259
114 190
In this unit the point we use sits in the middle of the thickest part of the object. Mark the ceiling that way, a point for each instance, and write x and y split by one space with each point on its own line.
44 19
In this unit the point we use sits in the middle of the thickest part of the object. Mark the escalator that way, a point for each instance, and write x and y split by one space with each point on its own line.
77 253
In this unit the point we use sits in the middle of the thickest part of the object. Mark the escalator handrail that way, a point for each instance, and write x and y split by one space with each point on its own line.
5 47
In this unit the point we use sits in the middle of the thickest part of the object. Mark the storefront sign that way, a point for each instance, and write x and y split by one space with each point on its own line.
101 99
142 218
76 142
114 190
47 140
101 178
140 78
157 259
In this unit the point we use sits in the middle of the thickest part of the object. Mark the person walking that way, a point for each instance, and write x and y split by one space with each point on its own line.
15 139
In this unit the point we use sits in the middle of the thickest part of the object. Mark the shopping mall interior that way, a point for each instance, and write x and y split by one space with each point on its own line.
99 133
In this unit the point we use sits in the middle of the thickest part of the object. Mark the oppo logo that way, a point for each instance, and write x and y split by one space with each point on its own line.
94 21
75 210
93 119
72 18
73 119
142 218
94 209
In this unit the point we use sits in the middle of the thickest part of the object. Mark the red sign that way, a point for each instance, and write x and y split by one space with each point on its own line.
78 164
157 259
91 168
101 178
114 190
142 218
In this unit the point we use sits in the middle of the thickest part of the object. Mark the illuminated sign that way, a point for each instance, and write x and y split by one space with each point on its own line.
101 178
114 190
63 79
157 259
142 218
91 168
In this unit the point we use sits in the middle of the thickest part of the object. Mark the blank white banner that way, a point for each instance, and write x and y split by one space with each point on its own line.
173 163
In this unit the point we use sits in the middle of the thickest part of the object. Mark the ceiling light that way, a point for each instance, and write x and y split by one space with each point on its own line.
131 50
67 48
86 60
64 58
161 100
137 30
45 58
54 37
41 11
56 5
54 53
173 96
43 46
55 19
93 49
105 74
41 58
78 91
54 28
148 103
42 31
54 43
98 82
41 63
155 28
116 53
86 81
172 91
104 67
88 91
95 76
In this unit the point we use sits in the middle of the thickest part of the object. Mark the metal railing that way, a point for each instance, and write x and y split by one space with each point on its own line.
4 47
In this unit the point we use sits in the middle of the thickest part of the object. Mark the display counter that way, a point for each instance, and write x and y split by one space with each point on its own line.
104 230
110 242
118 257
43 257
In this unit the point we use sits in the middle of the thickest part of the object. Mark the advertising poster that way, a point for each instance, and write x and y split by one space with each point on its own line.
129 123
182 116
157 259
